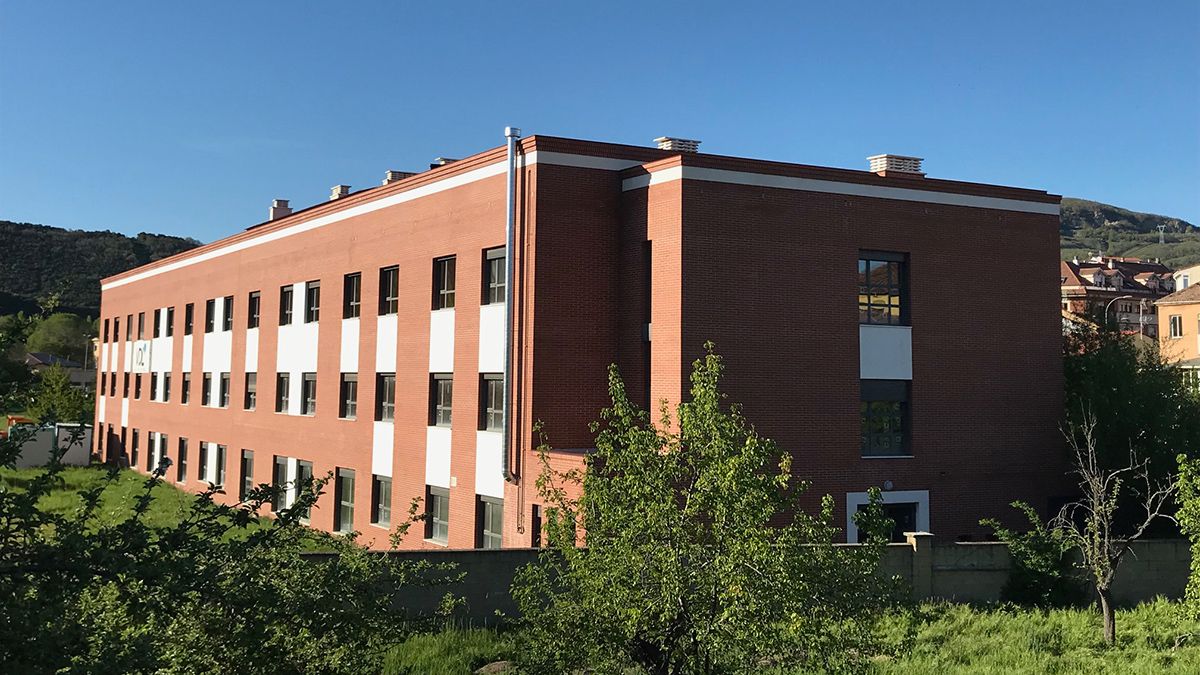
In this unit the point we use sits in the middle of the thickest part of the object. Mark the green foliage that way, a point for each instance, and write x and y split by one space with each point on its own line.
16 380
62 334
55 399
1041 570
49 266
699 558
1188 517
1087 227
449 652
88 588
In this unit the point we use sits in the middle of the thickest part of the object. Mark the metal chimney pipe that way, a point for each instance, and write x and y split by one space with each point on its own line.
511 135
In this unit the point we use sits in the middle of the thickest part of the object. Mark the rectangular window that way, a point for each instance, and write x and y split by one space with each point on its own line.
308 394
882 288
189 318
112 384
352 295
125 387
312 302
105 331
253 307
885 418
220 466
489 516
116 329
385 397
282 382
494 279
137 386
103 383
441 389
227 317
304 474
246 484
151 446
285 305
279 481
166 388
185 389
170 321
437 514
535 527
348 406
153 386
1176 327
133 455
181 465
203 475
343 489
206 389
156 329
381 501
224 390
210 315
128 326
141 325
251 399
389 290
162 451
491 407
443 283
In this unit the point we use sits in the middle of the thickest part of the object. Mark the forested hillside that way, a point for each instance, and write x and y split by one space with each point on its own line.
37 261
1088 227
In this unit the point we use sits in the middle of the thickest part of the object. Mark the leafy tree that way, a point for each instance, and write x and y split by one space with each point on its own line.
62 334
698 558
1041 565
1188 517
87 592
16 380
55 398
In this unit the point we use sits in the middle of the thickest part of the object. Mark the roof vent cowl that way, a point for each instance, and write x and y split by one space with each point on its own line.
338 191
677 144
891 165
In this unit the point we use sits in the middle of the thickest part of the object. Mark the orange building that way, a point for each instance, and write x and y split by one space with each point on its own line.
1179 326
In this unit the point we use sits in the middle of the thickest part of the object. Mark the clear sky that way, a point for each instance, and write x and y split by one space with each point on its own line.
188 118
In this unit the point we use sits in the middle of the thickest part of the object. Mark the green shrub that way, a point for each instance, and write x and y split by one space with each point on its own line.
1041 571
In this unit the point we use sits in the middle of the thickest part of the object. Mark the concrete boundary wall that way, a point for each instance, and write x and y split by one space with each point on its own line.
963 572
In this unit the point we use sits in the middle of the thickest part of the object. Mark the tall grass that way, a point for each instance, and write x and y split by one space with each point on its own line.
450 652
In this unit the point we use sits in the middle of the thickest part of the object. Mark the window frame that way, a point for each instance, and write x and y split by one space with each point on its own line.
352 295
896 286
873 394
181 461
1174 326
343 500
488 413
385 397
170 324
250 395
253 309
286 306
495 288
444 282
283 383
441 399
437 515
210 315
227 315
279 480
487 508
348 405
389 291
312 301
189 318
206 390
381 500
246 474
308 394
185 389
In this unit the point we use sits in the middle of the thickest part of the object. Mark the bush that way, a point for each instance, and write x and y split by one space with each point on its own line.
1041 570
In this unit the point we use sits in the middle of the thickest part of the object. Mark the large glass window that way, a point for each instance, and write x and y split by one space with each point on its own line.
494 279
437 514
441 389
251 400
352 295
348 398
181 463
312 302
389 290
246 484
381 501
443 283
189 318
308 394
210 315
490 525
253 309
491 388
285 305
385 397
882 288
343 517
227 316
282 382
884 416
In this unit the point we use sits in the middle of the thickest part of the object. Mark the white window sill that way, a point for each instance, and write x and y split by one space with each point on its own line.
435 542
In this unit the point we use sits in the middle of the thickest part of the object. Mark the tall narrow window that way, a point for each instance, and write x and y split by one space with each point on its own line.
105 331
166 388
153 386
202 475
125 387
443 283
1176 326
884 416
189 318
156 329
112 384
304 476
133 455
224 399
181 464
220 466
312 302
308 394
385 397
494 279
253 308
128 326
279 471
206 389
352 295
348 399
882 288
137 386
246 484
141 325
282 382
285 305
489 522
162 452
437 514
103 383
116 324
389 290
170 326
381 501
251 400
227 315
185 389
343 517
491 407
210 315
441 388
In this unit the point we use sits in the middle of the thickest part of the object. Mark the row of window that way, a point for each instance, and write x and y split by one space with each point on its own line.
444 273
489 518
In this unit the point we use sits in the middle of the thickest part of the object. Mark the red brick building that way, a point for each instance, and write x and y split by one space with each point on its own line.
365 336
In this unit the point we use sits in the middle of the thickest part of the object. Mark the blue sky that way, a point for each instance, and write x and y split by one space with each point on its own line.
188 118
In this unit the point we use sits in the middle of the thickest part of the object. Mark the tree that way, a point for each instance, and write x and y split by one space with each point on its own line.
16 380
215 592
1091 524
62 334
1041 563
698 558
1189 522
56 399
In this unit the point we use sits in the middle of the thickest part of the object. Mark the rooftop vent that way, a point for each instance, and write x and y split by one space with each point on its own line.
893 164
393 176
279 209
441 161
338 191
677 144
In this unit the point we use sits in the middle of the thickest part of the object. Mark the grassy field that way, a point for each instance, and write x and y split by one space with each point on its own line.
949 639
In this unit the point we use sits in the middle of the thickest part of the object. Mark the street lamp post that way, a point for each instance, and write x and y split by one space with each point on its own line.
1110 304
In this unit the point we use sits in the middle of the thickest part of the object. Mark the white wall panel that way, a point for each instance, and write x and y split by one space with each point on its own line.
216 352
489 472
441 341
349 346
101 407
382 446
128 357
186 366
491 338
124 412
104 357
437 457
252 350
885 352
161 354
385 344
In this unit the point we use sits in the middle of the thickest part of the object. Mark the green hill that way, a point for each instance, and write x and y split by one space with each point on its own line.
37 261
1089 226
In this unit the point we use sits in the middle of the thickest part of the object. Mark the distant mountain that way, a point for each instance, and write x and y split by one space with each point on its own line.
1088 227
37 261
